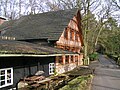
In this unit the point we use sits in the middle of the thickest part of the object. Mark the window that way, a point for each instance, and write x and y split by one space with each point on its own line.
66 33
6 77
60 60
72 35
72 59
67 48
51 68
77 37
67 60
76 58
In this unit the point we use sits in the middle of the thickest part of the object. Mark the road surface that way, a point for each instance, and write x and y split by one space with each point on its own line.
107 75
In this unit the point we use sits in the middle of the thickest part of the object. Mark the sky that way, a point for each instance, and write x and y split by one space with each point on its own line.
100 3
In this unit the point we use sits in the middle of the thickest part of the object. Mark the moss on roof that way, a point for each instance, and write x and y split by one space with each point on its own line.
18 47
48 25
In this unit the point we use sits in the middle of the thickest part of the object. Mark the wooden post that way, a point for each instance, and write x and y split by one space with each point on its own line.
56 60
63 58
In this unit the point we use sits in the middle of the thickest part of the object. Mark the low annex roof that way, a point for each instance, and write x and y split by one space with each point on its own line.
18 48
48 25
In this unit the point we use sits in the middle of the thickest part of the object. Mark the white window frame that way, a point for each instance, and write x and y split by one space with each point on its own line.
51 68
6 78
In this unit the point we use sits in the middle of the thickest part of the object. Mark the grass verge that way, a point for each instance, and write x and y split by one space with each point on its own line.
79 83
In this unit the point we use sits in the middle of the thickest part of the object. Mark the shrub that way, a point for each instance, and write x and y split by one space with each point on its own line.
93 56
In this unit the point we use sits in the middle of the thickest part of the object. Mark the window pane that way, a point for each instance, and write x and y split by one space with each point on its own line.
2 78
8 71
66 33
2 72
8 81
8 75
72 59
2 83
67 60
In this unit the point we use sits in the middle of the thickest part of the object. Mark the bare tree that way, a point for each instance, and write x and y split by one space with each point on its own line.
67 4
5 7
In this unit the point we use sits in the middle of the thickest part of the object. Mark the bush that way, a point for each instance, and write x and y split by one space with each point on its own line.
93 56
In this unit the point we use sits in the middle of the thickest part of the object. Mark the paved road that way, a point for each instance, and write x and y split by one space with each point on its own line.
107 75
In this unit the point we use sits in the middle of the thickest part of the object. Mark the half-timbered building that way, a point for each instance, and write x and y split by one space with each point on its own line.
53 39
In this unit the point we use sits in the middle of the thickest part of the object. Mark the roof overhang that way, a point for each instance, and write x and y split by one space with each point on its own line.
28 55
